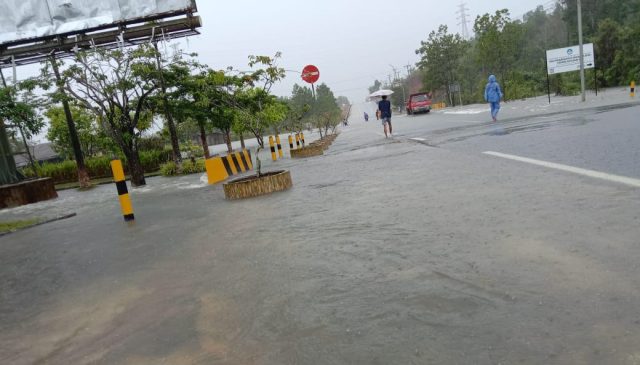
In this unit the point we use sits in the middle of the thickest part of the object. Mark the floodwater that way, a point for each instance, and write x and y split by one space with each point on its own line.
384 252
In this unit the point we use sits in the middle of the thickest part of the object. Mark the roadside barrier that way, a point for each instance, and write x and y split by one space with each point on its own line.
297 140
280 154
222 167
123 193
273 148
290 142
302 138
633 89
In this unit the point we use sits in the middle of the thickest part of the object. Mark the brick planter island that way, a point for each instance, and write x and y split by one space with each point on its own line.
27 192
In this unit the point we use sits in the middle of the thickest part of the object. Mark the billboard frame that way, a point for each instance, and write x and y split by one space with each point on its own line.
173 24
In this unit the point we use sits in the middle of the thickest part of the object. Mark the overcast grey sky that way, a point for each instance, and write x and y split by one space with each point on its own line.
352 42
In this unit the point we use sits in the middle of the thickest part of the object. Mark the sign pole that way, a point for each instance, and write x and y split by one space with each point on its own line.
582 82
595 79
313 91
548 83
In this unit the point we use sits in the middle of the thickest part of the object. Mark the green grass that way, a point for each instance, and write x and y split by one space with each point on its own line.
13 225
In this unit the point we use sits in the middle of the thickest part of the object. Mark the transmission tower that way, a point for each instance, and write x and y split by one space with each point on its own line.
464 22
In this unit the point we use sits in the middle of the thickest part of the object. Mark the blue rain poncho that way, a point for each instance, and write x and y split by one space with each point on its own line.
492 92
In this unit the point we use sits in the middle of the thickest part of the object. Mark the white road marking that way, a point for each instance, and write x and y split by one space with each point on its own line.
419 139
576 170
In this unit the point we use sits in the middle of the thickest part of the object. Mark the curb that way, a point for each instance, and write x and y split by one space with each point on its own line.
39 223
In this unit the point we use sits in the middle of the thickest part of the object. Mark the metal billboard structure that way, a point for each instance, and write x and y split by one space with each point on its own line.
34 30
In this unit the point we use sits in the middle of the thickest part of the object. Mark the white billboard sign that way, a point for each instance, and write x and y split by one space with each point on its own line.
568 59
29 19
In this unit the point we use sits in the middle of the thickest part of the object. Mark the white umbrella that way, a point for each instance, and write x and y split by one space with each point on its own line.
378 94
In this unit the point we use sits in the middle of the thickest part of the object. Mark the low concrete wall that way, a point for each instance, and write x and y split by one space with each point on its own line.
27 192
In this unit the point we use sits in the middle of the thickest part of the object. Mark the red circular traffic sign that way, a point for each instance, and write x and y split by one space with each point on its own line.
310 74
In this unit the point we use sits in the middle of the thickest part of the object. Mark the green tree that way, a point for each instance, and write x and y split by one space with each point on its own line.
300 108
498 43
326 110
257 109
92 139
212 92
441 55
171 74
377 85
20 107
116 85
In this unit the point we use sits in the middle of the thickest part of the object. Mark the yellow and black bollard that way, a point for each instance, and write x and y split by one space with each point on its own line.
297 140
290 142
302 138
633 89
280 155
273 149
123 193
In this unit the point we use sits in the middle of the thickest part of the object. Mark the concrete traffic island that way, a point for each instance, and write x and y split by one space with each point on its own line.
307 151
314 148
256 185
27 192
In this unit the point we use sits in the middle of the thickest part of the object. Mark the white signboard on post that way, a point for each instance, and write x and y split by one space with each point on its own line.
568 59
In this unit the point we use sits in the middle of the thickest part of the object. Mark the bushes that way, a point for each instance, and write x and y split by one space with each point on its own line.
97 167
169 169
192 150
188 167
152 160
64 171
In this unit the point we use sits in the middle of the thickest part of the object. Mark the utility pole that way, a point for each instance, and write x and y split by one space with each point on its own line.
409 68
464 23
397 81
582 81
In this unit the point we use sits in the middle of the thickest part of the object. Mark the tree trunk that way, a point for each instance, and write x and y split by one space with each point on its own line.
83 175
175 146
320 130
259 138
135 168
242 141
26 147
8 172
203 139
227 140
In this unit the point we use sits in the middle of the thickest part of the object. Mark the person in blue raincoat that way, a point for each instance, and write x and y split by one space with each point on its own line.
492 95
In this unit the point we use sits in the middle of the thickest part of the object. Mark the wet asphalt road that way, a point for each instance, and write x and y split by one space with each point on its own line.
386 251
603 139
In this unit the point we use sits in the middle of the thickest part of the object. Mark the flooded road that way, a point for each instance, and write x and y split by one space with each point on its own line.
386 251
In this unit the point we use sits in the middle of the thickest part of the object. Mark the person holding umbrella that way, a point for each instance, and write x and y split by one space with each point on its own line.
384 109
384 106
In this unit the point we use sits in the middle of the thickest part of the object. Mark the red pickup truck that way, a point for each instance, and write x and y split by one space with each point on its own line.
417 103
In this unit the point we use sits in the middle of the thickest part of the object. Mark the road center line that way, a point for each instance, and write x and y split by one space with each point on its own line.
575 170
419 139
